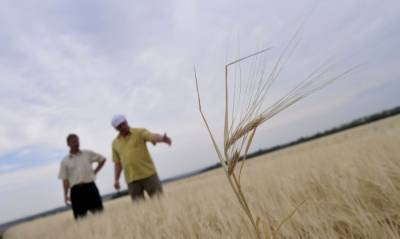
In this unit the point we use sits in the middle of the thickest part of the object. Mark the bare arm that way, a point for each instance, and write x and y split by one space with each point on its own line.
99 166
66 190
158 138
117 174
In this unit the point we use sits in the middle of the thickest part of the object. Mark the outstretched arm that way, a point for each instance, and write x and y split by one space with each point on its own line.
158 138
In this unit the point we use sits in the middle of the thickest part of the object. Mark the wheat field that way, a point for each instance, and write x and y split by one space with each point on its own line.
350 182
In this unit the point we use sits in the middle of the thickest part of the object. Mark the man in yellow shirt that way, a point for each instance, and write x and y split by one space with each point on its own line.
130 154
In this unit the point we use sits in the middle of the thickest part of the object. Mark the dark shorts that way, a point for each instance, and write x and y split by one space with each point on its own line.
151 185
85 197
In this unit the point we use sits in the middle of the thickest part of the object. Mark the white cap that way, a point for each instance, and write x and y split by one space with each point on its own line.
117 120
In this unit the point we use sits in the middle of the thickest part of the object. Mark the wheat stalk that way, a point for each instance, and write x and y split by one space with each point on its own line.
239 133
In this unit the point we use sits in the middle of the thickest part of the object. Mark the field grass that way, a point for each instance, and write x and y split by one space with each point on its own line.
350 181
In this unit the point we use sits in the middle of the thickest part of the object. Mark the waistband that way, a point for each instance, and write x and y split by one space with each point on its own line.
80 185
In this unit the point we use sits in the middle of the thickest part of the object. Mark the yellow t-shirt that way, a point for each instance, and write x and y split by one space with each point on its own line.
131 151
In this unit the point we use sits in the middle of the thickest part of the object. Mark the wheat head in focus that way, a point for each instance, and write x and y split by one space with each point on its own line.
248 82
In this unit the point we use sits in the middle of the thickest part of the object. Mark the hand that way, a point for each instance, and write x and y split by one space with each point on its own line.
67 200
116 185
167 139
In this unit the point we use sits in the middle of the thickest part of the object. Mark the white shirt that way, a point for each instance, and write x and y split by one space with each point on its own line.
77 168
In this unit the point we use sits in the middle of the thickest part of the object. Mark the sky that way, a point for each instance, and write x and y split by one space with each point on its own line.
69 66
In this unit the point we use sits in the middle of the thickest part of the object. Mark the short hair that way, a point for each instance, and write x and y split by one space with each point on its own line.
71 136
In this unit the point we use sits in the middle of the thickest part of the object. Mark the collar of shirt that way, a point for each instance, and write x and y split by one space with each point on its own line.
74 155
123 137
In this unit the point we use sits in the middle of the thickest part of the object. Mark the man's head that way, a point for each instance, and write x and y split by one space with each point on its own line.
73 142
120 123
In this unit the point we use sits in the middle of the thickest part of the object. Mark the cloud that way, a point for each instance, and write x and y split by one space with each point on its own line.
29 157
68 67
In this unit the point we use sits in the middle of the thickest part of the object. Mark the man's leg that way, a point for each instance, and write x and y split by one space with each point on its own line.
136 190
78 202
153 186
94 203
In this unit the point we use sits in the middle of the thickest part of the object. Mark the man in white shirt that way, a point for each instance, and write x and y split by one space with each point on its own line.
78 178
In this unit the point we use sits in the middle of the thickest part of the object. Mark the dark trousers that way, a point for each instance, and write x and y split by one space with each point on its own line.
85 197
151 185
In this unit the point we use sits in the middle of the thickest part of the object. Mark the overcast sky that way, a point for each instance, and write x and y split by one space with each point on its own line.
69 66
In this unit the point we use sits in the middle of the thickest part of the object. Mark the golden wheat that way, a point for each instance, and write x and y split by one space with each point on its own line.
243 115
351 181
